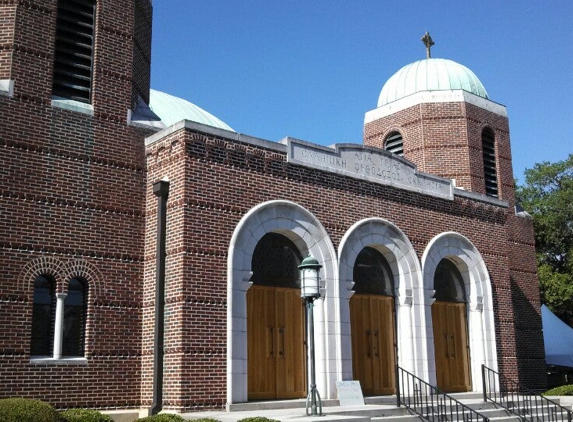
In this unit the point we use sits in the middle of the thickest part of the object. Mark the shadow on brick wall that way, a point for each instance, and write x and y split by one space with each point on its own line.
529 346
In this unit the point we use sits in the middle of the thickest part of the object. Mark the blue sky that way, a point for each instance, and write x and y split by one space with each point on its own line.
310 69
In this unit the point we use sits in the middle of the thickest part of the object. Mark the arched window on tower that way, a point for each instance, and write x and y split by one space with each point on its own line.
75 311
489 163
73 56
43 316
394 143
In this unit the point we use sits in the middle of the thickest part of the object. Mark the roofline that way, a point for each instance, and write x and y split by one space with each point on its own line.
214 131
429 97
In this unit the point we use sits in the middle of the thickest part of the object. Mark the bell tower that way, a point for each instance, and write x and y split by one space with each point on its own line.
436 113
89 55
72 203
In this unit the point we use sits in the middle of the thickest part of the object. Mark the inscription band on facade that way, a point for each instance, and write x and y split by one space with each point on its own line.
368 164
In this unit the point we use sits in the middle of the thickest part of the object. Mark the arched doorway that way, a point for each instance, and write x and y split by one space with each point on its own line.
372 324
449 318
275 322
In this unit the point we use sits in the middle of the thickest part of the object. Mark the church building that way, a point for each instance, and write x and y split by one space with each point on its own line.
426 262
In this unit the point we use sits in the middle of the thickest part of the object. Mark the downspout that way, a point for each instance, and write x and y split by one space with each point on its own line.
161 190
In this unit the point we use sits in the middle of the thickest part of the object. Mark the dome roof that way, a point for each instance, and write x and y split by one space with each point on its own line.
172 109
430 75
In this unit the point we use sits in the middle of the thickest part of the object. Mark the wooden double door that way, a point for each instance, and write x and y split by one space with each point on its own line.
451 346
373 343
275 336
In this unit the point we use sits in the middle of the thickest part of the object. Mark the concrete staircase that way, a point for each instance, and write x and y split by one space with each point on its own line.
531 408
376 409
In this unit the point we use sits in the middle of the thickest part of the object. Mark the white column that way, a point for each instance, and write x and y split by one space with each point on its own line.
477 350
406 340
320 340
59 325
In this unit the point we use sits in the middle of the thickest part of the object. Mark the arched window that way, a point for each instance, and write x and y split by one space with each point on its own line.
448 283
43 317
394 143
75 311
275 262
73 56
489 164
372 274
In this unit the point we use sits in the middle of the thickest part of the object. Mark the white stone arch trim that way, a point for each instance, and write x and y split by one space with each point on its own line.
310 236
481 326
401 256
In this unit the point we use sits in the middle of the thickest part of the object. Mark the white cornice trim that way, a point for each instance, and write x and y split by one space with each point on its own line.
429 97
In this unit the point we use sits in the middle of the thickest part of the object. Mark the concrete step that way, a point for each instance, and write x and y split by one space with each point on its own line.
401 418
376 409
293 410
467 396
537 409
275 404
333 413
301 403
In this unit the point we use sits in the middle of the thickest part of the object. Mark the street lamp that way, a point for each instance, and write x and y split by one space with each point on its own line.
310 291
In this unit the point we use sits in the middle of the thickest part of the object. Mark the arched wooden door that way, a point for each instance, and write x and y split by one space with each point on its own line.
449 318
372 324
275 322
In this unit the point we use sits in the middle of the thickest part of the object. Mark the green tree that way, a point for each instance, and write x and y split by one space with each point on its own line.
548 196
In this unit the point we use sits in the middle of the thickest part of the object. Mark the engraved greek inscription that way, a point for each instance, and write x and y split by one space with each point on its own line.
378 168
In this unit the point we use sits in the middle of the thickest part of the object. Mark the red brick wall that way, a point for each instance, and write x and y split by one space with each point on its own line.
73 194
445 139
215 182
76 192
30 57
7 25
530 351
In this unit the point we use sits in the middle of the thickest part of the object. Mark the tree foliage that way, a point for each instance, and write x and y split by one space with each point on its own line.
548 196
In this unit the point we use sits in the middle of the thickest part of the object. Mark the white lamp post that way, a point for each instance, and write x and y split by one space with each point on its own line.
309 291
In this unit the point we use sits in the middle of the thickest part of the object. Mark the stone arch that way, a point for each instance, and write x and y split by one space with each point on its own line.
401 256
310 237
460 250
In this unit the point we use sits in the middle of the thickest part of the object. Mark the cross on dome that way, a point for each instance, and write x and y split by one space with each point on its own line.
428 42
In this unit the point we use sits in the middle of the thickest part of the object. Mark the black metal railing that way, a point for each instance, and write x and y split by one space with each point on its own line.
429 402
519 400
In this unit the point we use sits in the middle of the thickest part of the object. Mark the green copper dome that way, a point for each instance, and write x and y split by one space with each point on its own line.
430 75
171 109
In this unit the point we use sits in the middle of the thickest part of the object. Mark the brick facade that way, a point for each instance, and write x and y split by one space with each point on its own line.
445 139
72 205
77 202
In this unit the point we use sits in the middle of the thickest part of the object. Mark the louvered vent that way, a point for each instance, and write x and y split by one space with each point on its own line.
489 167
74 50
394 144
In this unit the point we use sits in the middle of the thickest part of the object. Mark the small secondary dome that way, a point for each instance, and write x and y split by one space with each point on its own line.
171 109
430 75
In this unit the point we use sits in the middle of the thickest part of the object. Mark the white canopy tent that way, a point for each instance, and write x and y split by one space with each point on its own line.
558 338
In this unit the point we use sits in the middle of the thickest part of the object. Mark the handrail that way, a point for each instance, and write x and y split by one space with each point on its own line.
429 402
519 400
